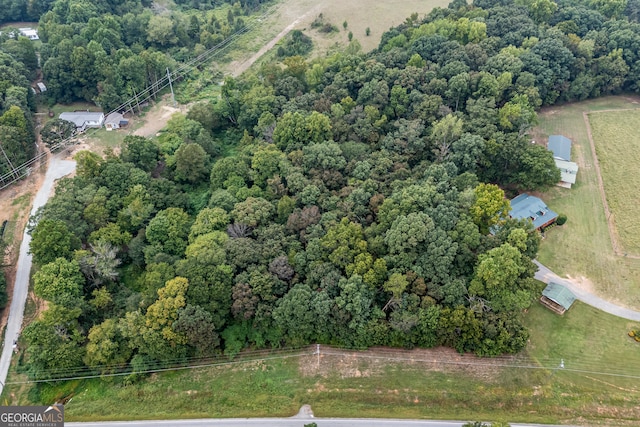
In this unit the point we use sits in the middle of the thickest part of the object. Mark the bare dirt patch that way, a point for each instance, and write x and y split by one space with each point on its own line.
157 117
374 361
583 283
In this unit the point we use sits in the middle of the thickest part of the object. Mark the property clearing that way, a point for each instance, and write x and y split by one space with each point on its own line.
583 246
358 14
157 117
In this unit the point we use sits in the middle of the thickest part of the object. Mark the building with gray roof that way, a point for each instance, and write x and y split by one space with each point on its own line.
530 207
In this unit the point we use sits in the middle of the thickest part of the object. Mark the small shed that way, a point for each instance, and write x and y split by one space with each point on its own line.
557 298
41 86
526 206
115 120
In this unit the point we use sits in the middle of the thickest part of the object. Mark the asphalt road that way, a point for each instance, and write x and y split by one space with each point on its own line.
57 169
284 422
545 275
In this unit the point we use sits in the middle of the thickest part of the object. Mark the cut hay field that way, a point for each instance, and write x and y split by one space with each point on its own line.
378 16
617 143
582 249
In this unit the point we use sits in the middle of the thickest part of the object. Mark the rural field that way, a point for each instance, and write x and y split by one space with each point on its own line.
591 390
582 249
617 141
359 14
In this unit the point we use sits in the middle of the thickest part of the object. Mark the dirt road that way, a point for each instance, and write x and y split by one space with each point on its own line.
57 169
244 66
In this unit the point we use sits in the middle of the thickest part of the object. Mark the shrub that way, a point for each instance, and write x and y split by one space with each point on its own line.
297 43
3 290
562 218
322 26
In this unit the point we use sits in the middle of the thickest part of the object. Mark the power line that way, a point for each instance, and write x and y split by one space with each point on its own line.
151 90
521 361
157 370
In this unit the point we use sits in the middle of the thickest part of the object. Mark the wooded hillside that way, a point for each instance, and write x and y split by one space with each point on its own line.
346 200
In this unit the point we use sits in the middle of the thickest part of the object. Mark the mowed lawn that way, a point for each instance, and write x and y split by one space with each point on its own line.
598 386
617 142
581 249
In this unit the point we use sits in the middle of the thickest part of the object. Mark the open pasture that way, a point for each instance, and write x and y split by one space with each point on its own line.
582 248
617 142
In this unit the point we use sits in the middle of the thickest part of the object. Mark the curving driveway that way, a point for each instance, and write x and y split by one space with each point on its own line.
57 169
545 275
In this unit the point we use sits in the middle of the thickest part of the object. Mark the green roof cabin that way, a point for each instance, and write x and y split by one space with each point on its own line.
525 206
557 298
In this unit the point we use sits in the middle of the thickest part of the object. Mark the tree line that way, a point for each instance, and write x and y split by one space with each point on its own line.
18 63
354 200
109 56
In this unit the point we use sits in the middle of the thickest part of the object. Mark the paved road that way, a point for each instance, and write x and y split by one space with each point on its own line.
545 275
57 169
284 422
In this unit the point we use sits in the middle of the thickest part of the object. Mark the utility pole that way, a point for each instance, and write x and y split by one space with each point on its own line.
173 96
318 354
137 100
13 170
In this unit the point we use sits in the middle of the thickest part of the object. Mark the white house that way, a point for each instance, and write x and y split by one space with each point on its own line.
84 119
41 86
115 121
30 33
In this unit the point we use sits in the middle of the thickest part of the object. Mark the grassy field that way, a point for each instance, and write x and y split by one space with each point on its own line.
375 385
359 14
617 145
581 249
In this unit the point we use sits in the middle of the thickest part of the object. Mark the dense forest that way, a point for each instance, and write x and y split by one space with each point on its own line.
355 200
18 63
107 52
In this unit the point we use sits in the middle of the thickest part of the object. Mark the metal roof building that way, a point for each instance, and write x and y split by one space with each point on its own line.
557 297
560 146
84 119
525 206
115 121
30 33
568 172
